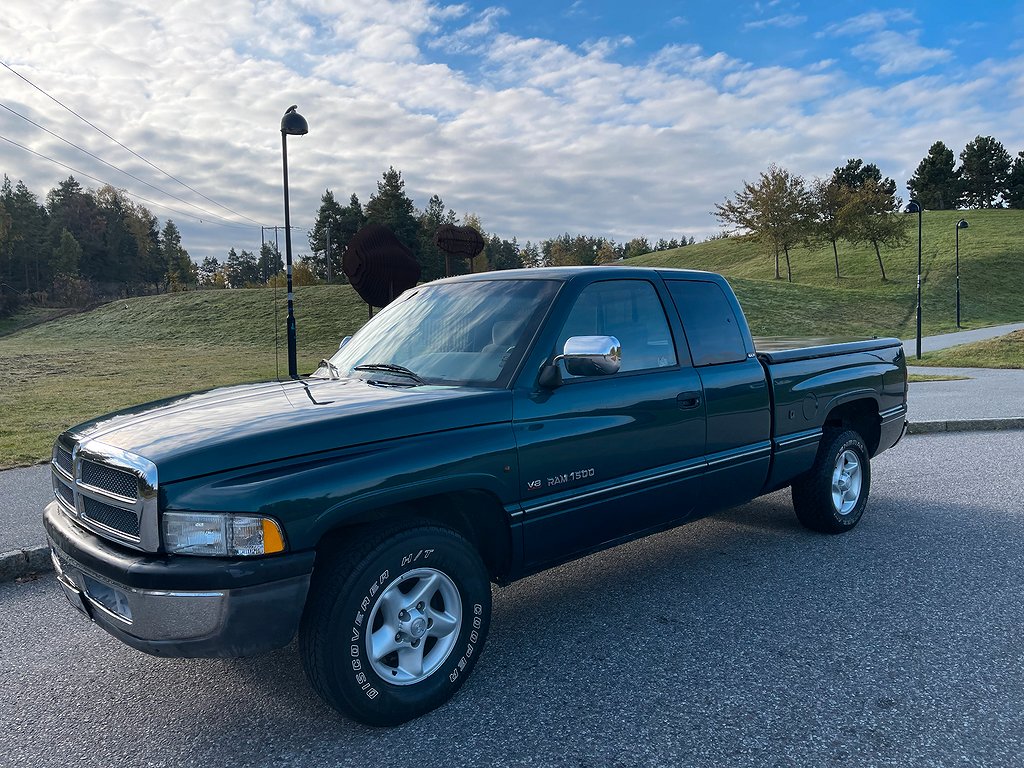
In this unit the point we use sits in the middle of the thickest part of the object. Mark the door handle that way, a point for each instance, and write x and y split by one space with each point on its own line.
688 400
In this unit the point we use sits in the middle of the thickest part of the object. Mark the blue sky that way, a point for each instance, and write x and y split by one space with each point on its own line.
614 119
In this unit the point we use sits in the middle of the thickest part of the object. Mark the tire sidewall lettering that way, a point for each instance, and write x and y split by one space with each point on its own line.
362 674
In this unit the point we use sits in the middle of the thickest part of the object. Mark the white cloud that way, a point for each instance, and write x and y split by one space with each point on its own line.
898 53
782 21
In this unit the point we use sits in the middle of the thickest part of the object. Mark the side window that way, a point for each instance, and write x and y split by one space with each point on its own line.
711 326
629 310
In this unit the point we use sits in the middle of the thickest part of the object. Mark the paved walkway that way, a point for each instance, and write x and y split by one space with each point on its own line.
945 340
987 393
23 494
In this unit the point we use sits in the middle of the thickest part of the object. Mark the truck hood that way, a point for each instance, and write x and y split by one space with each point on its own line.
207 432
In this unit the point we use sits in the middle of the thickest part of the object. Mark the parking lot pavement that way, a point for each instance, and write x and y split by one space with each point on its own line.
23 494
740 640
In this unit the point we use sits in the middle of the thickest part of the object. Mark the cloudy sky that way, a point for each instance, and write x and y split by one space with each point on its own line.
540 116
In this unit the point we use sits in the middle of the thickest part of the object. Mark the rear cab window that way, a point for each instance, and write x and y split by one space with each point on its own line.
713 331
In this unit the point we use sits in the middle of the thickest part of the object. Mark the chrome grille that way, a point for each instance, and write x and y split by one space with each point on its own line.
63 459
123 520
111 480
107 490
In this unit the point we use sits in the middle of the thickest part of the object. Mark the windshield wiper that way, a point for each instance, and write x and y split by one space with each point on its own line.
331 368
401 370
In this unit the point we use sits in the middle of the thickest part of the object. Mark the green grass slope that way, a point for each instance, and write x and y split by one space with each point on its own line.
131 351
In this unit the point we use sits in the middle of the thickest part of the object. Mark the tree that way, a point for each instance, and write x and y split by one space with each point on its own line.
1015 183
984 172
25 251
181 271
391 207
775 211
936 184
828 199
66 256
638 246
872 216
531 256
269 262
326 233
855 174
211 275
241 269
432 258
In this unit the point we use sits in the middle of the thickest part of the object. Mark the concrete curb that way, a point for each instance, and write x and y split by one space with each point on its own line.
25 562
964 425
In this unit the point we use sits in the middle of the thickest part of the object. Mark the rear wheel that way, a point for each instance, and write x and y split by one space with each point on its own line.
395 623
832 496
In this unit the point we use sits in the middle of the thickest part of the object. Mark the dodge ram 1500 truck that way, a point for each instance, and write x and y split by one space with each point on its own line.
477 430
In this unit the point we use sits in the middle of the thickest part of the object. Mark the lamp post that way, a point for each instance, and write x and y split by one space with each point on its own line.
915 207
292 124
962 224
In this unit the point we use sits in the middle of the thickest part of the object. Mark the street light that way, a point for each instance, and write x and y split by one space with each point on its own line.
962 224
292 124
915 207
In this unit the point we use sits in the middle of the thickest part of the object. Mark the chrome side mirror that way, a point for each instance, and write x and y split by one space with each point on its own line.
591 355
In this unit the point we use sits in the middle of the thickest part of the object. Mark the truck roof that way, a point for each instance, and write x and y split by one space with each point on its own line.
568 273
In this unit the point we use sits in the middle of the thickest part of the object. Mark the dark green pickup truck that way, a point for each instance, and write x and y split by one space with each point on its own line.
477 430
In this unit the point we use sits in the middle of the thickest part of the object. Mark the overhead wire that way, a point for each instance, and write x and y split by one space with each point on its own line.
209 214
126 148
129 194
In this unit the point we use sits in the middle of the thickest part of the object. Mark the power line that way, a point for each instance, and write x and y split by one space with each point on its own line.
111 165
129 194
127 149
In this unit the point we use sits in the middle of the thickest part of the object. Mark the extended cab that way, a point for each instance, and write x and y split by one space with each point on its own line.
477 430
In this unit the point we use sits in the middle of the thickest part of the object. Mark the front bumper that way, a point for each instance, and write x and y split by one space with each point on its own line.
179 605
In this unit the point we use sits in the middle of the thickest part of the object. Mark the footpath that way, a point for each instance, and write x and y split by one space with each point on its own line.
985 399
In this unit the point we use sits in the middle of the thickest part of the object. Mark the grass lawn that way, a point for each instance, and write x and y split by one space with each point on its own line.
917 378
65 371
1001 352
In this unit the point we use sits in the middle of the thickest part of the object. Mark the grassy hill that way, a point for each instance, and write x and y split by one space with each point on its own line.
63 371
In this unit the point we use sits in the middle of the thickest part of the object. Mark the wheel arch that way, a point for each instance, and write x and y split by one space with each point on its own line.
859 414
475 513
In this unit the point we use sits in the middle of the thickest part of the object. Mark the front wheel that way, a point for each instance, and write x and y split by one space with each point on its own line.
395 623
832 496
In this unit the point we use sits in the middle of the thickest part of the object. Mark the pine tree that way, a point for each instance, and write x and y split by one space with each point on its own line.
391 207
181 272
936 184
432 258
1015 183
984 171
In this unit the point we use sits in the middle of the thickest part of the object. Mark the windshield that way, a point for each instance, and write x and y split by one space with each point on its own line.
472 333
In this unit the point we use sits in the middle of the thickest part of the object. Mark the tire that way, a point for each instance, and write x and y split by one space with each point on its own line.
385 601
832 496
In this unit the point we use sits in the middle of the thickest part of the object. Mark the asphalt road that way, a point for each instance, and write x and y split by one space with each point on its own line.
740 640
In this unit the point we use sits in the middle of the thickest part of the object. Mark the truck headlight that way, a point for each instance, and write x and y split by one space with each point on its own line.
196 533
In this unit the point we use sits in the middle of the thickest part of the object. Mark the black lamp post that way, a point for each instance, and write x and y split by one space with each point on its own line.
915 207
291 124
962 224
